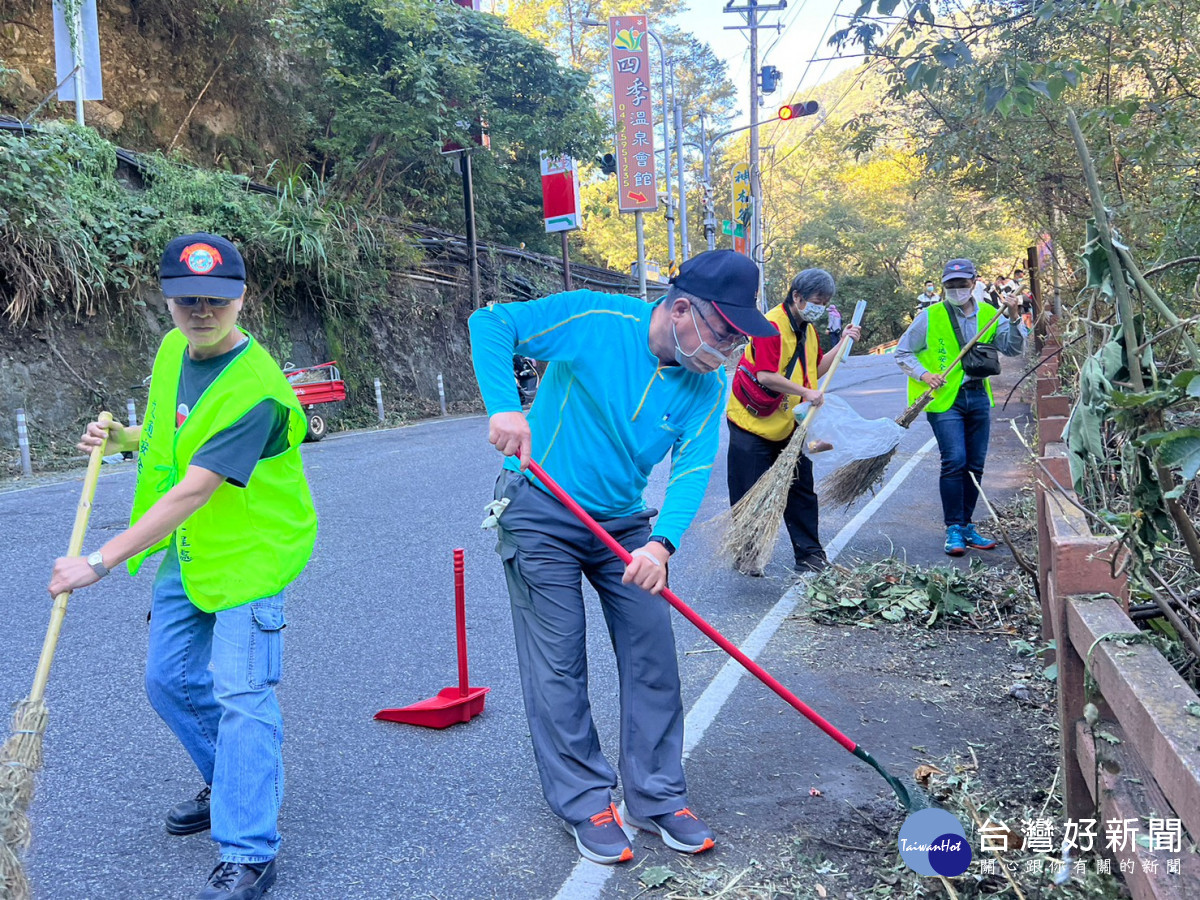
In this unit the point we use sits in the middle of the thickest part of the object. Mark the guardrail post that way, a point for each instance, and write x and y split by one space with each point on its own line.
23 442
131 409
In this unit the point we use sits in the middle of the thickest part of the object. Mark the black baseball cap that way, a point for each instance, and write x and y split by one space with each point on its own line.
202 265
729 281
958 268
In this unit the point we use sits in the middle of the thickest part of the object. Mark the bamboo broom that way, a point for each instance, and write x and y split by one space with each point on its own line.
754 521
21 755
845 485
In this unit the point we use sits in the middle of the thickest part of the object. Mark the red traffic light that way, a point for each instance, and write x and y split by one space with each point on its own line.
796 110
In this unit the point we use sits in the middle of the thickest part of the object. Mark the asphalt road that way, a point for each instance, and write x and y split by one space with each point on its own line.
372 809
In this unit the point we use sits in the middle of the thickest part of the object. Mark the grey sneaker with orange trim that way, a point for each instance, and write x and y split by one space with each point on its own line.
601 838
682 830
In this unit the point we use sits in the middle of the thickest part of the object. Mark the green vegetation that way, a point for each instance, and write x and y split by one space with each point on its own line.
890 590
73 235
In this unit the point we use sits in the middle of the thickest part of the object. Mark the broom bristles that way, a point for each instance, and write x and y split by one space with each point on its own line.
849 482
749 541
20 758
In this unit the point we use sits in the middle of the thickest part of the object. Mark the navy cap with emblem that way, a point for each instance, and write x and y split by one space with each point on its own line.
729 281
202 265
958 268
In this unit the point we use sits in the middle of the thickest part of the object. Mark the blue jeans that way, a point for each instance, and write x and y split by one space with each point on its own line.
962 434
211 677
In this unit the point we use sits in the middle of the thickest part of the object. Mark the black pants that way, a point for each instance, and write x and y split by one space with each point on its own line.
750 456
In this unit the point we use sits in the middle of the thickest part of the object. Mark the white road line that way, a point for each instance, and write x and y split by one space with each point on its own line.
587 879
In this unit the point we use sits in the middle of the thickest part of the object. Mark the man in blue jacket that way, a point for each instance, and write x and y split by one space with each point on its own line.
627 382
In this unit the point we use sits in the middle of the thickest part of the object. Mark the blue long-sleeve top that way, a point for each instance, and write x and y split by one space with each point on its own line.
607 410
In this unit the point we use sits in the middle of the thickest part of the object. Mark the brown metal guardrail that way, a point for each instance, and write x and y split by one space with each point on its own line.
1137 764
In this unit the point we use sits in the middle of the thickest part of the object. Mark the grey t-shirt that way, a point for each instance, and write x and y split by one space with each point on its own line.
234 452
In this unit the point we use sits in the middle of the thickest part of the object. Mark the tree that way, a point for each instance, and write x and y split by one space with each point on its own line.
701 88
406 76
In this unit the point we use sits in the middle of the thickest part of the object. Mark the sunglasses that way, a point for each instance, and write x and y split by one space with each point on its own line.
214 302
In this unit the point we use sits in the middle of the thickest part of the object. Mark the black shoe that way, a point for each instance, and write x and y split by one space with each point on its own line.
811 565
190 816
238 881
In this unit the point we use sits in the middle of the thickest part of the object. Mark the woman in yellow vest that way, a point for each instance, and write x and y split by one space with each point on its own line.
220 488
774 376
961 410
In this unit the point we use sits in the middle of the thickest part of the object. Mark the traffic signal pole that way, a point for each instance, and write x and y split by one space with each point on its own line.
755 181
751 12
706 150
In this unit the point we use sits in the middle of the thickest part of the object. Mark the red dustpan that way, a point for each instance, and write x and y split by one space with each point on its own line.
452 704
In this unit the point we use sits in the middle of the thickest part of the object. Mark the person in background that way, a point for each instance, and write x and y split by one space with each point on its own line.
835 324
982 289
928 295
788 363
960 412
626 383
221 488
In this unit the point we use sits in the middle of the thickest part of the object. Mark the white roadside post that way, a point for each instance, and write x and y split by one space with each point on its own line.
23 442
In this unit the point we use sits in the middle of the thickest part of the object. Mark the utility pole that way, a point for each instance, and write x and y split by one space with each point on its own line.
751 13
684 249
710 214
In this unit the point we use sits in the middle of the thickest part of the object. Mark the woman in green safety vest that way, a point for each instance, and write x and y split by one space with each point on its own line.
220 488
961 410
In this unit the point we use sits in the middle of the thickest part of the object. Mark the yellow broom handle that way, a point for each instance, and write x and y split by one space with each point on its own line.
82 513
973 341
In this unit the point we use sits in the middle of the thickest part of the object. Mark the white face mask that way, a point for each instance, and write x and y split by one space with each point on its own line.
703 350
958 296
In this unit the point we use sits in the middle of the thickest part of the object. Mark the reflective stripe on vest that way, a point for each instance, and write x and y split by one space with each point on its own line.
244 543
941 347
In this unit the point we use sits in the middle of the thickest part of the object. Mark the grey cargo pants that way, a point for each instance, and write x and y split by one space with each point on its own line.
546 551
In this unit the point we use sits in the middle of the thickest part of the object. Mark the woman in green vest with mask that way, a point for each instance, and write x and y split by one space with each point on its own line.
961 410
221 489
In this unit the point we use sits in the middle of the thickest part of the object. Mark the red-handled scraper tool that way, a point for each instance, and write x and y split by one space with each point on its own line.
452 704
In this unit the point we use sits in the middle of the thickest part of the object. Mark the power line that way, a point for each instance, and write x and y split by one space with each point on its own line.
836 103
779 37
804 74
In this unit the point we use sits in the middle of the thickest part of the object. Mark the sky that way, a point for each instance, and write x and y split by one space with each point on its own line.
806 24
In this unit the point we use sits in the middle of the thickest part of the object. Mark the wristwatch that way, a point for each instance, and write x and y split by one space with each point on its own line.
659 539
96 561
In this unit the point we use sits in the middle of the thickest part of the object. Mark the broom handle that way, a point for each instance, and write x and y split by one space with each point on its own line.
59 611
694 617
928 395
859 308
460 620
